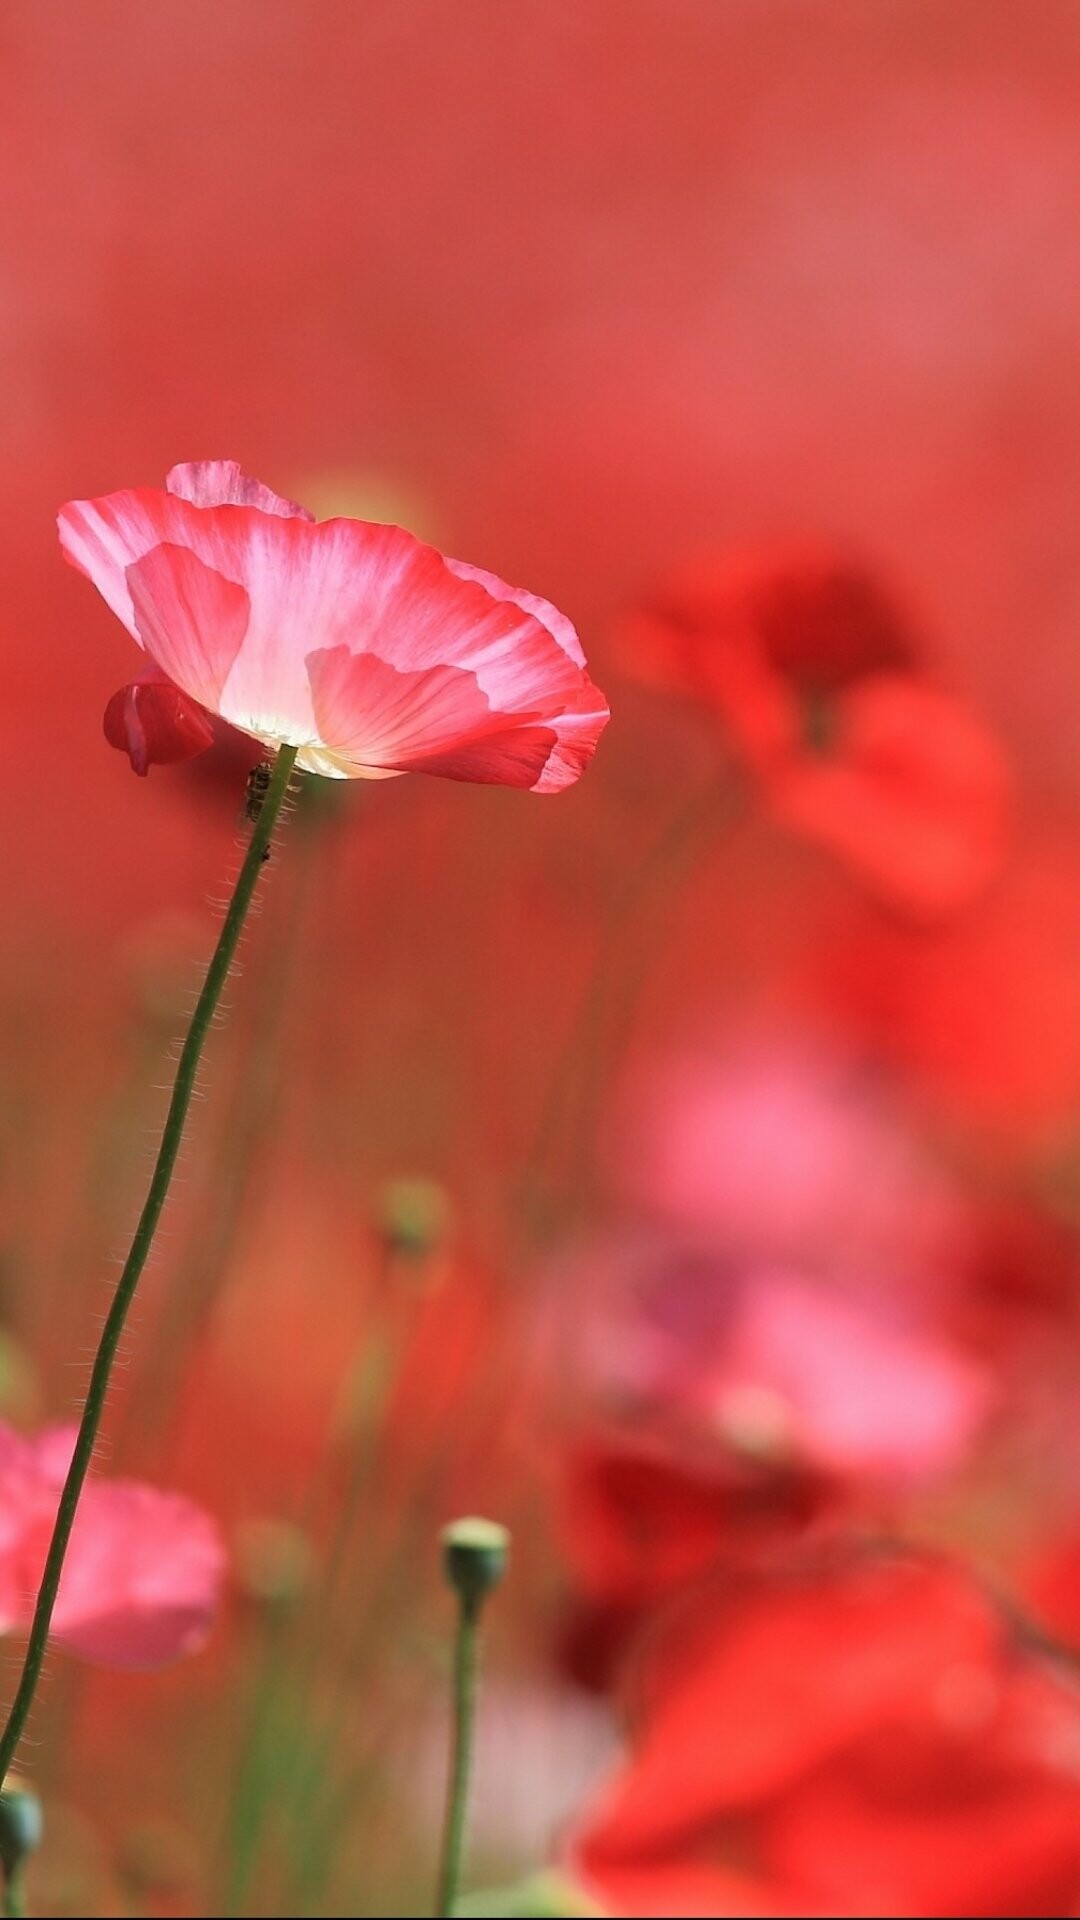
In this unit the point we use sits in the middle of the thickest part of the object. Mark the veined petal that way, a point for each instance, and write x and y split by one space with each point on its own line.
438 721
190 618
416 611
223 483
233 595
557 624
577 733
103 537
454 673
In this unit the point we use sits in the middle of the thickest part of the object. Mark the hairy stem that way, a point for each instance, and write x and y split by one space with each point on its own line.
164 1167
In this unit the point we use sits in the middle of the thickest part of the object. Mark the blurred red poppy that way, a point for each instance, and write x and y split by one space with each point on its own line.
821 691
867 1737
639 1518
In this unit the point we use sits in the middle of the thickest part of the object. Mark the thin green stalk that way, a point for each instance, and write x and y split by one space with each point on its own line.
164 1167
249 1127
475 1553
466 1649
14 1896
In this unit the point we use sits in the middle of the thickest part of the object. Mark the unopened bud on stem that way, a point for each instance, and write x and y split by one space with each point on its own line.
475 1553
20 1835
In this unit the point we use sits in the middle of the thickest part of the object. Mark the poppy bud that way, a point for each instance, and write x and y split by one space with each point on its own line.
21 1824
475 1553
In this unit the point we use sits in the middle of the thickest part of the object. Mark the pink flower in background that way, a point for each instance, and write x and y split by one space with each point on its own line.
144 1571
355 642
781 1150
839 1387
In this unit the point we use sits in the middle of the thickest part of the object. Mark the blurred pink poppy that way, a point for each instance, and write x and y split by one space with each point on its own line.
782 1149
840 1387
144 1571
355 642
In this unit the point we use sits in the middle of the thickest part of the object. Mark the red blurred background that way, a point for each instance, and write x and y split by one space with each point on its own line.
575 291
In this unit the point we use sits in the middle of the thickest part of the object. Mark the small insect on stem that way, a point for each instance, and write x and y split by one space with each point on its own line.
257 786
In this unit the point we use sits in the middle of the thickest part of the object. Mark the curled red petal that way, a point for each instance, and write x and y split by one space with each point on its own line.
156 724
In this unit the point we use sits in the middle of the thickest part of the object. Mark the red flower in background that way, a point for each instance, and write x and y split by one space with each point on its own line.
777 1349
819 685
353 641
861 1739
143 1575
987 1015
639 1517
803 1406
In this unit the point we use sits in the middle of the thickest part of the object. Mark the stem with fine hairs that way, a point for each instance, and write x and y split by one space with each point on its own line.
161 1179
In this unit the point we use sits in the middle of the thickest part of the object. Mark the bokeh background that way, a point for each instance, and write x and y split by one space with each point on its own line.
575 291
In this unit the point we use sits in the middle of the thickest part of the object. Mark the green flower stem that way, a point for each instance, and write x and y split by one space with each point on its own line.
13 1902
466 1664
164 1167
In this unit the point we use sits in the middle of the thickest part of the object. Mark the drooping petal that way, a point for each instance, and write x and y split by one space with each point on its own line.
156 724
223 483
803 1669
880 1716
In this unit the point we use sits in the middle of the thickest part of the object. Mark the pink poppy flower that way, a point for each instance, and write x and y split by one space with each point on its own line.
355 642
144 1571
